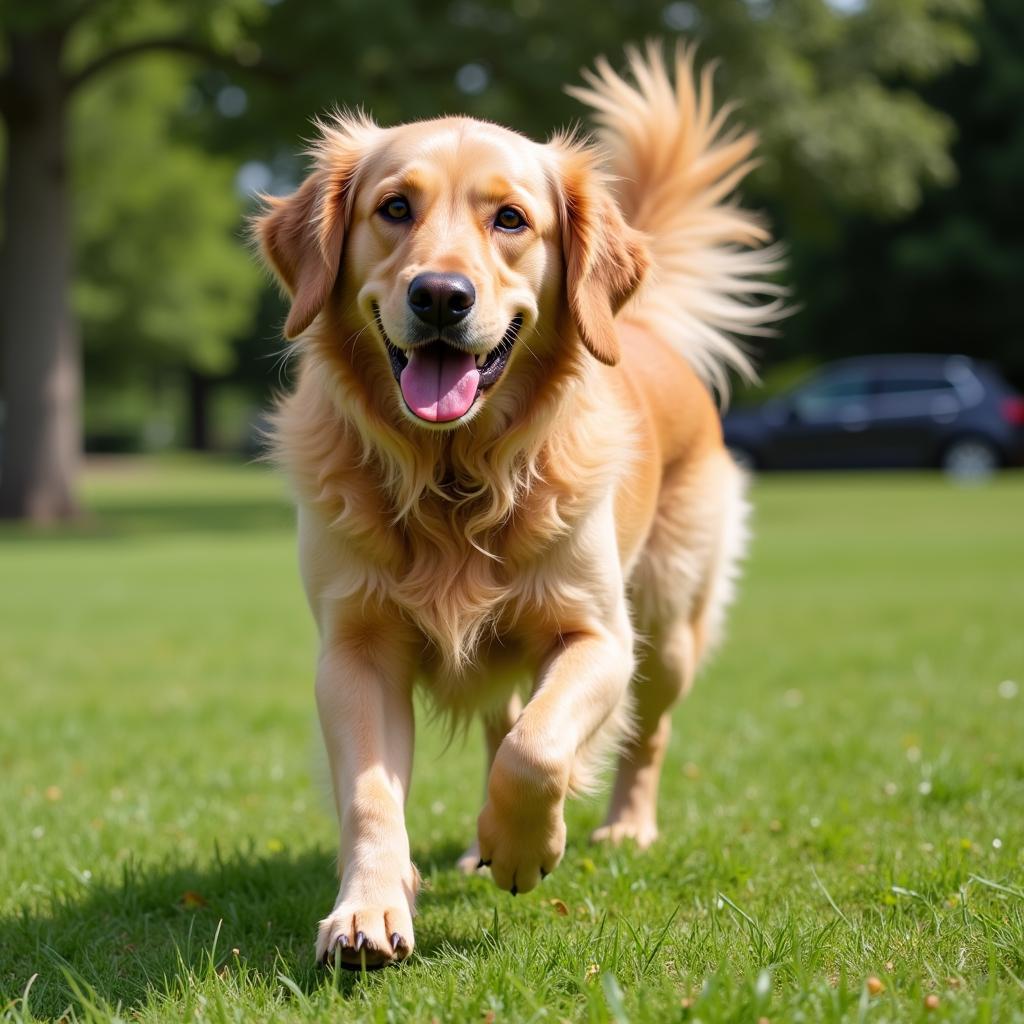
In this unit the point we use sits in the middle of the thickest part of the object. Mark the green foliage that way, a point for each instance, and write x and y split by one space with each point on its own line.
851 130
817 83
833 796
946 278
164 277
821 87
26 16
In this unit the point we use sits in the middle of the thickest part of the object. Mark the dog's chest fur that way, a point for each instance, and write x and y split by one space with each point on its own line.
482 549
470 590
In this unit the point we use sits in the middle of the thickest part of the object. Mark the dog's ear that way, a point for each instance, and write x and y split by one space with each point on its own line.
605 259
302 235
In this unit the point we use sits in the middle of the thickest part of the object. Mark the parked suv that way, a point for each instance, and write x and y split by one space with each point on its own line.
879 412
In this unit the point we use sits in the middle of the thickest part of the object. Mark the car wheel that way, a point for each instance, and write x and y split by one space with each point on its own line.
970 458
744 458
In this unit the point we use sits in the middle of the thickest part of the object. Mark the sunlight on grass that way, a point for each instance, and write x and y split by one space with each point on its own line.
843 799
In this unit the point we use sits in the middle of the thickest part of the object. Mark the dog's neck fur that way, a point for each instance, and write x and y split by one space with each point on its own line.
478 474
467 515
478 478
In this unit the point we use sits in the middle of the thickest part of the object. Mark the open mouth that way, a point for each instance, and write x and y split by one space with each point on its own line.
440 382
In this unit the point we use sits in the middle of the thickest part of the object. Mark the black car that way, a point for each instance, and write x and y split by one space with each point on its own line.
881 412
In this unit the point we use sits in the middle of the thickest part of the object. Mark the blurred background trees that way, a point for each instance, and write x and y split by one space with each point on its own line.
138 133
106 202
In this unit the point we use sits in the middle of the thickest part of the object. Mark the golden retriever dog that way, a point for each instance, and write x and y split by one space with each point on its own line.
511 483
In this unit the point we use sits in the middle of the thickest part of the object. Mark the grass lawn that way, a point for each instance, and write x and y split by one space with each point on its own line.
844 797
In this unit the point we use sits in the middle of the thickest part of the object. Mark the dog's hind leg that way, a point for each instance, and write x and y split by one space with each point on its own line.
665 673
680 587
496 722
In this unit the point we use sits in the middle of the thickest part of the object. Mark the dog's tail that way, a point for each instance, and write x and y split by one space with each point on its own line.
674 170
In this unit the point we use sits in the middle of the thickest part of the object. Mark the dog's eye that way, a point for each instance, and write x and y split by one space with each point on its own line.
396 208
509 219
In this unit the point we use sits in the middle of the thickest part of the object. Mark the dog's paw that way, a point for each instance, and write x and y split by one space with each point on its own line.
354 935
521 846
643 833
521 830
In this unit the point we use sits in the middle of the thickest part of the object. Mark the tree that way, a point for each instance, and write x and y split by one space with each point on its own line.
828 84
50 53
834 88
824 81
947 278
164 282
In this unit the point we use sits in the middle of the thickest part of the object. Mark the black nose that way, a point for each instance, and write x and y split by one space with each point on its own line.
441 299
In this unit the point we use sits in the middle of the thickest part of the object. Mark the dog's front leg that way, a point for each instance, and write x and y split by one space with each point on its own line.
364 698
580 700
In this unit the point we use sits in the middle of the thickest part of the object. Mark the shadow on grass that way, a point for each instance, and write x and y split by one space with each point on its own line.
163 926
207 516
138 518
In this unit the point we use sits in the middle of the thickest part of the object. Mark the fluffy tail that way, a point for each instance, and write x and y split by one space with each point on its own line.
675 170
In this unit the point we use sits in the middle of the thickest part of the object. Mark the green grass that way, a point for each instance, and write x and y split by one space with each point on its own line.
844 796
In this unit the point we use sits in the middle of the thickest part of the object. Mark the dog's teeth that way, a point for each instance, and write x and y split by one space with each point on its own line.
481 359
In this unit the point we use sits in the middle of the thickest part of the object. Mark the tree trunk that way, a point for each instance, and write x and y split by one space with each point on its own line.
199 411
41 369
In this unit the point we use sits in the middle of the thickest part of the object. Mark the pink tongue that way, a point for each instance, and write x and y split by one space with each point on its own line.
439 384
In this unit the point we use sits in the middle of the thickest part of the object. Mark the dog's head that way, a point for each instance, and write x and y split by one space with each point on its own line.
449 258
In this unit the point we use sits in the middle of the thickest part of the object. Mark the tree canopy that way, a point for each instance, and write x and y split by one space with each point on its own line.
947 277
177 110
164 279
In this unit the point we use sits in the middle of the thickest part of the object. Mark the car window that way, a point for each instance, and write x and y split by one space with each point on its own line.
912 385
826 395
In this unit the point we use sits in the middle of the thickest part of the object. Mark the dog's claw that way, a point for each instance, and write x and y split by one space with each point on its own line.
334 951
514 890
366 938
543 873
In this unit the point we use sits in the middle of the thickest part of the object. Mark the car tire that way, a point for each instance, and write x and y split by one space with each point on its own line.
970 459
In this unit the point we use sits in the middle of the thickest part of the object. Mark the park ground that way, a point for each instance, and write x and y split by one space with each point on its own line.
842 811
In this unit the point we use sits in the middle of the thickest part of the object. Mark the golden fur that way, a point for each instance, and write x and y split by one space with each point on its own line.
583 500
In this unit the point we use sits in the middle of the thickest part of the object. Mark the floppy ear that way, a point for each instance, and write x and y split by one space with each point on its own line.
605 259
301 240
302 235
